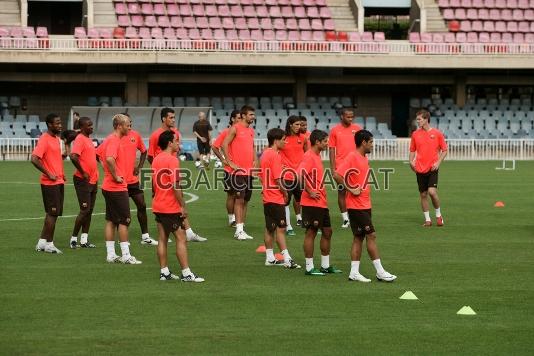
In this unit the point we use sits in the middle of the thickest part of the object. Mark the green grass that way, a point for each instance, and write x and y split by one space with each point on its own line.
76 303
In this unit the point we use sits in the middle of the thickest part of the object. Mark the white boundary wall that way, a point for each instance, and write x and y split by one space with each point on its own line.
19 149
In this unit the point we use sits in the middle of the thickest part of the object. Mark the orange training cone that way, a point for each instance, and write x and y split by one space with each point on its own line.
499 204
278 256
260 249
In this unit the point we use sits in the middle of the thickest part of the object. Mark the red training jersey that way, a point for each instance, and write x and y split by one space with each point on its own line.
153 148
312 172
83 146
292 154
243 147
354 170
132 143
218 144
165 174
48 149
427 145
271 170
342 139
113 147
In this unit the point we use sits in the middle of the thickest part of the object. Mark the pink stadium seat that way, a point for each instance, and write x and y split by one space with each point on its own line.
325 13
461 37
316 24
269 35
379 36
448 14
465 4
308 2
41 32
224 11
131 33
511 26
472 37
495 37
248 11
472 14
246 2
328 25
176 22
194 34
459 14
355 36
511 4
123 20
465 26
291 24
483 14
211 10
144 33
449 37
172 9
93 33
121 9
169 33
266 24
437 38
500 4
489 26
478 4
244 35
529 14
507 38
300 12
413 37
219 34
500 26
312 12
454 3
185 10
519 38
236 11
164 21
287 12
159 9
202 22
425 38
529 38
367 36
241 23
134 9
477 26
281 35
523 4
228 23
494 14
147 9
506 15
198 10
275 11
532 27
523 27
156 33
189 22
443 3
484 37
293 36
253 23
256 35
181 34
217 2
304 24
206 34
79 32
215 22
517 15
318 35
306 35
150 21
489 4
137 21
261 11
296 2
278 24
231 35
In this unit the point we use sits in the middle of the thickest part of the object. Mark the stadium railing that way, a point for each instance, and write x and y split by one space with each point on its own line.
19 149
401 47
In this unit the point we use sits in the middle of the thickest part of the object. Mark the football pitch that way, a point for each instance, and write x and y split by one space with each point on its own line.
483 257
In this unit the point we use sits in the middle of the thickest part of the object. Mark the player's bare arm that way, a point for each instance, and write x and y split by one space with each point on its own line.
75 159
141 163
225 147
110 161
36 161
332 158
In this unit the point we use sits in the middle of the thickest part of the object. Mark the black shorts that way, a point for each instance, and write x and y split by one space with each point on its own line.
241 186
360 222
170 222
53 196
134 189
203 147
227 182
275 216
117 207
427 180
315 218
293 189
86 193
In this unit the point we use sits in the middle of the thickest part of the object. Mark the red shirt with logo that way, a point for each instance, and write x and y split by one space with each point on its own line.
48 149
242 150
153 148
132 143
342 139
292 154
165 175
427 145
83 146
311 172
271 170
113 147
354 170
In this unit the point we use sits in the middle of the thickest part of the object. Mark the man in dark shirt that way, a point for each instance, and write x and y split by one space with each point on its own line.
202 130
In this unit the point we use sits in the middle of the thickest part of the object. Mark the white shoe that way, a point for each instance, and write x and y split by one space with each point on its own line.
40 247
130 260
113 259
242 235
358 278
196 238
345 224
192 278
52 249
386 277
149 241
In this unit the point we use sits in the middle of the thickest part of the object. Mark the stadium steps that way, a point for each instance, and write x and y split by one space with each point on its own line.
10 13
434 19
104 13
342 15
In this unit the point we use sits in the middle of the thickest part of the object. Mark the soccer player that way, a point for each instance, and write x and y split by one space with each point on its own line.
315 214
292 153
169 207
112 155
216 147
352 174
275 197
238 148
304 130
202 130
46 157
132 143
83 157
341 142
168 119
427 150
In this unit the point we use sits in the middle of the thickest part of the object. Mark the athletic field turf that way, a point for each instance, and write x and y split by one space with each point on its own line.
76 303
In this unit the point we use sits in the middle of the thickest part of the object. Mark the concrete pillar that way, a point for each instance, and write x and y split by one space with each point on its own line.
460 94
300 89
136 89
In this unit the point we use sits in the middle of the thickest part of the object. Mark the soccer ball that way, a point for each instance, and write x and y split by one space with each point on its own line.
198 163
182 158
218 164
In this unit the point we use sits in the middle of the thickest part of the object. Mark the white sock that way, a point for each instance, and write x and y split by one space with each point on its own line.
239 227
165 271
286 255
438 212
186 272
354 267
378 266
41 242
345 216
110 247
427 215
125 249
325 261
74 238
269 254
189 233
309 264
299 217
84 237
231 218
145 236
288 218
